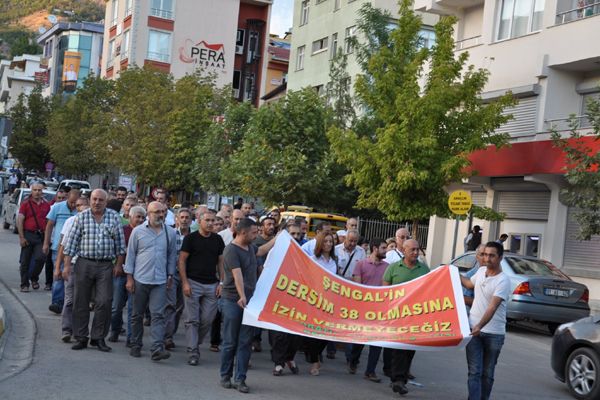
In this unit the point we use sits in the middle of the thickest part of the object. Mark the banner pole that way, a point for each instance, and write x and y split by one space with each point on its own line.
455 238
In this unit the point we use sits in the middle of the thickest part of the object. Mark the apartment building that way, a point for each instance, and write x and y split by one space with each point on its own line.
71 50
321 28
545 52
19 76
227 38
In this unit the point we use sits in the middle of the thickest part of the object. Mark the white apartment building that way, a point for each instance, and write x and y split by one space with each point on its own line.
228 38
18 76
546 53
321 28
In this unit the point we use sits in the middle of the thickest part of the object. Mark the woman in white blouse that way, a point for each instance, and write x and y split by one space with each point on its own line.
324 256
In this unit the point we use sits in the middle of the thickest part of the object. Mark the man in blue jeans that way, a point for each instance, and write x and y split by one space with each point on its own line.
59 213
487 320
240 275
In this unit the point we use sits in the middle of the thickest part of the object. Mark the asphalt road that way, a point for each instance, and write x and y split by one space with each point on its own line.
57 372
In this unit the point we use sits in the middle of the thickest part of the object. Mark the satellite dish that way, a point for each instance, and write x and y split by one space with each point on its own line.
41 30
52 18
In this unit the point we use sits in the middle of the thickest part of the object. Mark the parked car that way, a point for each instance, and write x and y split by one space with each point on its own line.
11 205
576 357
540 291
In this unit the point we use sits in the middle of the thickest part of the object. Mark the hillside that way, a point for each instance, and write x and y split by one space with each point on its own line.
20 20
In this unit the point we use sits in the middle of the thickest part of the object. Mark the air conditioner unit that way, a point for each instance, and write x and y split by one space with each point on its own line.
236 93
239 49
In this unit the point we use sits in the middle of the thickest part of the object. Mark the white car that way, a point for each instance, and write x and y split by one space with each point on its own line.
11 205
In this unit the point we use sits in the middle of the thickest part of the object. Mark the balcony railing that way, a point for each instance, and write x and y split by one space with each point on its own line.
157 12
588 10
567 124
158 56
468 42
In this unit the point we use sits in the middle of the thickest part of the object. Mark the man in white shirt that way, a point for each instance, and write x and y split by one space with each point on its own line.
227 234
309 247
161 197
349 254
351 224
395 255
487 320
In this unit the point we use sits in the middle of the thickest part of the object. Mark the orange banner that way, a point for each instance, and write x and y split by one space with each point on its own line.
296 295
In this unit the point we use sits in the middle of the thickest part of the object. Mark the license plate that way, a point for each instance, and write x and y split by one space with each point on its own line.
556 292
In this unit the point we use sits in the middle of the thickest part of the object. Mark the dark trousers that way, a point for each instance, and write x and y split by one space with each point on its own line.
283 347
49 269
374 353
32 250
401 360
89 275
314 348
215 329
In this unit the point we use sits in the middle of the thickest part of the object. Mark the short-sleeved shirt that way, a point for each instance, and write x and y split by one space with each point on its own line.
348 259
236 257
226 235
398 272
330 265
393 256
58 214
259 241
204 252
41 210
487 287
370 273
98 241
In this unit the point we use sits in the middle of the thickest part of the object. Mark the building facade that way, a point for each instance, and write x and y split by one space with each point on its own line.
321 28
540 50
226 38
72 51
18 76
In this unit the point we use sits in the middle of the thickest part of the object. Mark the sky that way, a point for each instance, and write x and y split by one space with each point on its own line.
281 16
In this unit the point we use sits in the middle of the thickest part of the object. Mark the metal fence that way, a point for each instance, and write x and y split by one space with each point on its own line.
370 229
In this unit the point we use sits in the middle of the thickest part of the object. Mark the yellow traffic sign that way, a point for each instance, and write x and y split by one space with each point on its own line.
460 202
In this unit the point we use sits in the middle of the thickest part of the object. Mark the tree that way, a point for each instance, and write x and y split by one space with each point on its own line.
339 98
76 126
424 116
30 117
582 174
24 45
285 155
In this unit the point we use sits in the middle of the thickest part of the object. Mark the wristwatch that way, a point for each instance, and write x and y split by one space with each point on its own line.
221 283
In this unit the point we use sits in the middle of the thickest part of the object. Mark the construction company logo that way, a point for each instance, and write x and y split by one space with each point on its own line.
203 54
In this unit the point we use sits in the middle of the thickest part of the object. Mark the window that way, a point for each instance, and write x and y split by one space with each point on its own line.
249 87
585 109
320 90
427 36
159 46
337 4
334 45
239 41
300 58
350 33
237 80
111 53
304 13
253 47
465 263
125 45
519 17
128 7
319 45
162 9
114 12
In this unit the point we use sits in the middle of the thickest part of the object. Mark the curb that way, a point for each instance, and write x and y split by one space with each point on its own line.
18 332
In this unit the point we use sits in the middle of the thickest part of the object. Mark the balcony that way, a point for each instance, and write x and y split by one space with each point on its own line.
468 42
445 7
164 14
589 9
578 122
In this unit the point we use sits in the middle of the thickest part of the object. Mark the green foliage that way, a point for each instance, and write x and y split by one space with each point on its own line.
285 156
421 123
582 172
24 45
339 98
83 10
30 117
76 125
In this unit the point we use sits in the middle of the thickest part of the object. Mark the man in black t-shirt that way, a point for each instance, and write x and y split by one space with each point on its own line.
200 259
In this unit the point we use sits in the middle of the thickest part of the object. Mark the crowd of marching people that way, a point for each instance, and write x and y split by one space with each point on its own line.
198 268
